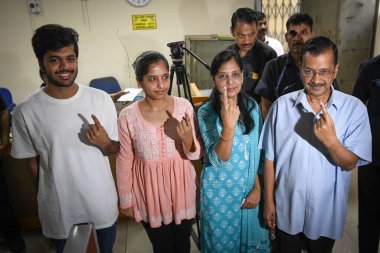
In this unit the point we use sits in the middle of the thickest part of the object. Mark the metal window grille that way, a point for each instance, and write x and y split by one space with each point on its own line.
277 13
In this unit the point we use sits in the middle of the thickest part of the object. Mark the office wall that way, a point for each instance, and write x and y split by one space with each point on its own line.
349 23
107 43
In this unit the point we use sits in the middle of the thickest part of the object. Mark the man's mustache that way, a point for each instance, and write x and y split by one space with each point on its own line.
297 44
314 84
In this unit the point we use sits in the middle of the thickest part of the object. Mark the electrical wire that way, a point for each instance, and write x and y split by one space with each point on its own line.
86 16
128 60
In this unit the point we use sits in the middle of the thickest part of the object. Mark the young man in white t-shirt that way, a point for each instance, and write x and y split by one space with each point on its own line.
66 131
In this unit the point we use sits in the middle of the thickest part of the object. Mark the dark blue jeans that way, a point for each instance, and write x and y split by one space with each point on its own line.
106 239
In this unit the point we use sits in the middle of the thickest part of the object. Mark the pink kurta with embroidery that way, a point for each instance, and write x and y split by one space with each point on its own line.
153 169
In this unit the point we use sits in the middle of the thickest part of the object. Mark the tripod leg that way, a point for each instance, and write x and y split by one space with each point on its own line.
171 80
178 76
181 81
186 86
181 77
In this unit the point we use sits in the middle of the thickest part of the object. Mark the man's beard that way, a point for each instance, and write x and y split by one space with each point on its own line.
58 83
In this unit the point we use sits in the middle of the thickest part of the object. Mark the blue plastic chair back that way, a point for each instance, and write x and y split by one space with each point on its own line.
108 84
7 97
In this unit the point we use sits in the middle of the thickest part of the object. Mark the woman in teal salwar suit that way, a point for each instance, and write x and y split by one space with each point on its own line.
230 204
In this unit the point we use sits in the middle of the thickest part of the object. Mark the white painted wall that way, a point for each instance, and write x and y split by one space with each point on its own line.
107 43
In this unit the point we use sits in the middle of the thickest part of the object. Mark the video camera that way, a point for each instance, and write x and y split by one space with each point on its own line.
176 48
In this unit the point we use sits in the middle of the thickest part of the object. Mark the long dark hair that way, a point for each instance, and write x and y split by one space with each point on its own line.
245 104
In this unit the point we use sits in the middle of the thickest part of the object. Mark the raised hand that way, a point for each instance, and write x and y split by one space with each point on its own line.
96 134
185 131
324 128
230 112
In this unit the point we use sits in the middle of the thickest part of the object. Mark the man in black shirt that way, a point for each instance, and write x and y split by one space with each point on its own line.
367 89
282 75
9 225
254 54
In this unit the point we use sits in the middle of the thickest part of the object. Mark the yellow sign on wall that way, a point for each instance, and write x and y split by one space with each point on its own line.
144 22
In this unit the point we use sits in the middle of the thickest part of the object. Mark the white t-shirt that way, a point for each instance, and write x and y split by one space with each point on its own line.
275 44
75 180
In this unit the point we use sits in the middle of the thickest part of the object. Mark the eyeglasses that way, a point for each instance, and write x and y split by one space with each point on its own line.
232 76
322 72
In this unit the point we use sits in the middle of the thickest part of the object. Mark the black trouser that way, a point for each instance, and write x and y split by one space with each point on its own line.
9 225
170 238
286 243
369 208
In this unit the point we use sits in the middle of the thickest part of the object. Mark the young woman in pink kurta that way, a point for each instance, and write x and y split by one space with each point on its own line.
155 177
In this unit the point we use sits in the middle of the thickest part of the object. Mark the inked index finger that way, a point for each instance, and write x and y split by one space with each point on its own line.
187 119
96 121
324 110
225 99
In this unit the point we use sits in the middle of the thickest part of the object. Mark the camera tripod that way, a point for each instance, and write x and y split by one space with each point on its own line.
178 68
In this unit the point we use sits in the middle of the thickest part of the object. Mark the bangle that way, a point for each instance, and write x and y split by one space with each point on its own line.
257 188
224 139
